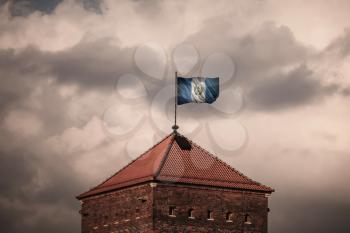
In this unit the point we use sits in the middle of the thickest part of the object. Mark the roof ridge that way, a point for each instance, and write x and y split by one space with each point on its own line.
164 158
127 165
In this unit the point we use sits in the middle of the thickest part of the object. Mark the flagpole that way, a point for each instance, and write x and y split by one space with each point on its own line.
175 126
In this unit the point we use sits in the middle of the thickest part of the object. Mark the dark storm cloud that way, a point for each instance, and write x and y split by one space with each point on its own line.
10 218
93 5
341 45
271 47
30 163
20 74
97 63
21 176
22 197
318 215
12 221
6 100
91 64
150 8
26 7
268 47
346 91
297 87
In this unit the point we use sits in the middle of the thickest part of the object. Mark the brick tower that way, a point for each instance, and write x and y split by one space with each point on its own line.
176 186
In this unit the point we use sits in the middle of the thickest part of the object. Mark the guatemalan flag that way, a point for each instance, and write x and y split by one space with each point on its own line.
197 90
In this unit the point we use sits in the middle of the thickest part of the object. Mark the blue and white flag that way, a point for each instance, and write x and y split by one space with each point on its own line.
197 90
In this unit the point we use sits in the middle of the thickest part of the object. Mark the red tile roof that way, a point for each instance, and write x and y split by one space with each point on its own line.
177 159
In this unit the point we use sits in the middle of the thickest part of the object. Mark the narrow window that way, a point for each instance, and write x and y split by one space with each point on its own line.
172 211
210 215
229 217
247 219
142 199
190 213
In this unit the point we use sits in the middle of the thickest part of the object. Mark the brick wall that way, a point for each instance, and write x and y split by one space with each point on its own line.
126 210
220 202
141 208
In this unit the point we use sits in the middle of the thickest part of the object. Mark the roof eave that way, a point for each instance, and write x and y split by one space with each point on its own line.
91 194
268 189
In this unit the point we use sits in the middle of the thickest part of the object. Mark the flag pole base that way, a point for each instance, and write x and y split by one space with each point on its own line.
175 127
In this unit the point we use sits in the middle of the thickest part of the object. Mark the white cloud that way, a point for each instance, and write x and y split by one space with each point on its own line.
22 123
314 22
78 140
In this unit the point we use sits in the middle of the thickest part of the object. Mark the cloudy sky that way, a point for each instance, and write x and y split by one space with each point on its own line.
86 86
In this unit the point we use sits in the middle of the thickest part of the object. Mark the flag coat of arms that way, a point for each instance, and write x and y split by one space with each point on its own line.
197 90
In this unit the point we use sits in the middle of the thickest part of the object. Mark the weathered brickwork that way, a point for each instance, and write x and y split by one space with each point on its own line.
145 208
126 210
201 200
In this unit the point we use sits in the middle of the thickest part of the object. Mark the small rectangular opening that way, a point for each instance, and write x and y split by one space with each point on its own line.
229 217
210 215
172 211
190 213
247 219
